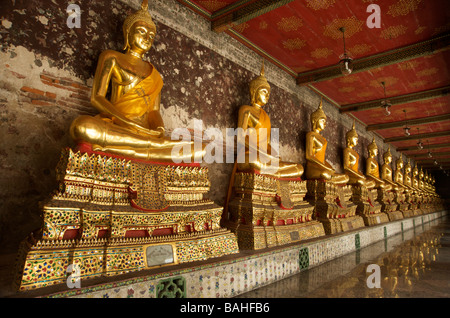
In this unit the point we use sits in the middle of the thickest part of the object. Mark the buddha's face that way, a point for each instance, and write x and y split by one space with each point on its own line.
407 169
352 141
262 96
399 164
320 124
373 152
141 37
388 159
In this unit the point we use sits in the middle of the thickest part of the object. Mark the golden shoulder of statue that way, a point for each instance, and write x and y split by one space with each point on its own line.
316 165
129 123
255 123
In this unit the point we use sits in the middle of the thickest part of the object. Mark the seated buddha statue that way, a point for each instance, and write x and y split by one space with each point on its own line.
398 174
386 171
316 145
408 181
415 177
351 161
421 183
253 119
129 122
372 168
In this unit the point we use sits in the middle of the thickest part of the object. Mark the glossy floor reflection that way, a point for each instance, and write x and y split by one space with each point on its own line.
415 263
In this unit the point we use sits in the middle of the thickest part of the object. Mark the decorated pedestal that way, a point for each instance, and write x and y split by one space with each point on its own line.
388 205
113 215
333 207
402 205
367 205
265 211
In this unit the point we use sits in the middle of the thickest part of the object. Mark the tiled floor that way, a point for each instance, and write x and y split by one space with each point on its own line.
415 263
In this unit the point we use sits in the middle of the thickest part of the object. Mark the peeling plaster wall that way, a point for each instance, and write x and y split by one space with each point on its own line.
46 72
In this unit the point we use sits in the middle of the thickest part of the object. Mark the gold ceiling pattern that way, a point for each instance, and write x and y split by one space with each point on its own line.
290 24
351 24
403 7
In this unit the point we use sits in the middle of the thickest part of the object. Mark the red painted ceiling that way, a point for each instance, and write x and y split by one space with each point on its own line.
304 35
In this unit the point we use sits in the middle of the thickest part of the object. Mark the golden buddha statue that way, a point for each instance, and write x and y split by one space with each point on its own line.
408 182
386 171
421 183
129 123
255 117
398 174
372 168
316 145
415 177
351 161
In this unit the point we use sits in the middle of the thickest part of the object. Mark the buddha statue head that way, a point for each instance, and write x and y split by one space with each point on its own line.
372 149
260 89
318 119
387 156
399 163
415 170
408 166
421 174
139 29
352 137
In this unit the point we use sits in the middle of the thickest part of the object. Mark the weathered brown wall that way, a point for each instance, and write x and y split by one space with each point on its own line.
46 74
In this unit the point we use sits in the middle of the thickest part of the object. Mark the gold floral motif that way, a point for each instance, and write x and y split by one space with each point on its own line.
290 24
359 49
348 79
365 94
403 7
352 26
212 5
408 65
427 72
294 44
321 53
346 89
319 4
419 30
263 25
388 80
241 27
417 84
393 32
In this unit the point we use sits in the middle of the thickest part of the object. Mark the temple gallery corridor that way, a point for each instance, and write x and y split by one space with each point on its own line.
412 264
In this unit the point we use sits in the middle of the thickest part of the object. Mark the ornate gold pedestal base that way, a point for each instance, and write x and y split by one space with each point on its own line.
112 216
265 211
367 205
333 207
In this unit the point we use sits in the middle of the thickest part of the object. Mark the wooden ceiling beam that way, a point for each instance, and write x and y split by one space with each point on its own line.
409 122
435 146
397 100
243 11
424 48
431 161
415 137
435 155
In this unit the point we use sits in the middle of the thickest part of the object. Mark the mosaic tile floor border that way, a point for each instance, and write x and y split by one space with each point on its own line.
244 273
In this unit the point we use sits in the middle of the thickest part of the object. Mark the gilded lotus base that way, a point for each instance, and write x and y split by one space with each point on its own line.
265 211
113 215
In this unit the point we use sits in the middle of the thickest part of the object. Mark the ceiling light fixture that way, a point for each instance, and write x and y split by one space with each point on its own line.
346 62
419 144
386 104
407 129
429 152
